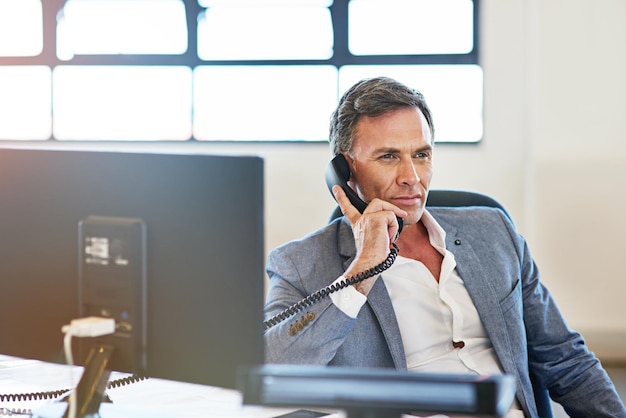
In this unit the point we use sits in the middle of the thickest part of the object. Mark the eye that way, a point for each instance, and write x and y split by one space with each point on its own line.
387 156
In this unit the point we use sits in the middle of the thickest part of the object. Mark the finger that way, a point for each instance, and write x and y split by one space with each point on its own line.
347 208
392 215
394 229
377 205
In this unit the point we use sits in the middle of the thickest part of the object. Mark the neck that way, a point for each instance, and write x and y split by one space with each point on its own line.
411 234
414 243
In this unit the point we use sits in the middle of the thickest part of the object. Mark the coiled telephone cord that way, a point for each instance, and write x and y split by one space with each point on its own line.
117 383
36 396
332 288
54 394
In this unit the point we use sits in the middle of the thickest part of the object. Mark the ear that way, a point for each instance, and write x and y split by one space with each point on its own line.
352 165
351 161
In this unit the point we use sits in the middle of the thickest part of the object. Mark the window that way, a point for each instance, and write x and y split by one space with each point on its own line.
410 27
453 93
21 20
254 31
227 70
25 102
268 103
121 27
122 102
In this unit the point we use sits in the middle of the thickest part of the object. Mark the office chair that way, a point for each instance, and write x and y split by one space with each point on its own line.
451 198
456 198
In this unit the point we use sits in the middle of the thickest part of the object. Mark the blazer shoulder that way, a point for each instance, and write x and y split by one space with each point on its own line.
332 239
466 215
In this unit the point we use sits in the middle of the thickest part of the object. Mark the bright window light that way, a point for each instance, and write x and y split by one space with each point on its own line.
389 27
121 27
122 102
25 102
21 28
454 94
244 69
265 32
272 103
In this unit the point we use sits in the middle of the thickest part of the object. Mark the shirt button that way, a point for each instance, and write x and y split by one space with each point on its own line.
458 344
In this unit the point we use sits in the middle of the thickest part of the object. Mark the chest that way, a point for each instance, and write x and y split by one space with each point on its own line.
428 255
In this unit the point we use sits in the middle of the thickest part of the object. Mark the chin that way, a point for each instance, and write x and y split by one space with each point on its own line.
414 217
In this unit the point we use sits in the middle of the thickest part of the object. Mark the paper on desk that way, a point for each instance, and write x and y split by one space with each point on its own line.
178 399
24 377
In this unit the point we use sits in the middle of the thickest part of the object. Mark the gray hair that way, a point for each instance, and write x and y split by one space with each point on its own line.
371 97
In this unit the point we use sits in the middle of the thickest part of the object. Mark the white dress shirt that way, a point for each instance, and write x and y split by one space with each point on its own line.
432 315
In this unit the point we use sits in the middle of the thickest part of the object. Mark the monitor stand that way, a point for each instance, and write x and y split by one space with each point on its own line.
92 401
93 384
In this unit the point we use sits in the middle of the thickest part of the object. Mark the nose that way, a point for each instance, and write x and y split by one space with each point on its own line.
407 172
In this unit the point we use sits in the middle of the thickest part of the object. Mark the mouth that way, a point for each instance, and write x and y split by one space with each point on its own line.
411 200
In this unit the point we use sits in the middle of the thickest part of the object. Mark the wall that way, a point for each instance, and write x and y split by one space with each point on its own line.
577 126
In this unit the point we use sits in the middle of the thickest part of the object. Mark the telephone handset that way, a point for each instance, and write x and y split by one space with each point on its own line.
338 172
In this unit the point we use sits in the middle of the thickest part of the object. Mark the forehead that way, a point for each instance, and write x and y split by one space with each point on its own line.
398 128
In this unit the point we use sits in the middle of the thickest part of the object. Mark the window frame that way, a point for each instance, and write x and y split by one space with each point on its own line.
190 58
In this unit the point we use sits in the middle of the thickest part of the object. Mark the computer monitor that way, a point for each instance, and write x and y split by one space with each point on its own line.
377 393
169 245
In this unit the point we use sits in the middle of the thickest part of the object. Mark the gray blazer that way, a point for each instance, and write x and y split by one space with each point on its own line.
527 330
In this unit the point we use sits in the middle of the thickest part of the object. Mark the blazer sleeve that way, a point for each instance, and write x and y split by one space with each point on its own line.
313 334
558 358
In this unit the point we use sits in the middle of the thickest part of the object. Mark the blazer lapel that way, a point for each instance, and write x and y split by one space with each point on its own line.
480 288
378 300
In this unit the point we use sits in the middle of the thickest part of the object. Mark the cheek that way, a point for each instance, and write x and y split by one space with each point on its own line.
374 186
368 192
426 174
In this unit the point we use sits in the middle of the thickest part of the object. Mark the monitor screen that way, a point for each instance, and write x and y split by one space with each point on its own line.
171 246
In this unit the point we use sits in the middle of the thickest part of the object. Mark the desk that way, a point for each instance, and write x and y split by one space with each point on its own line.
148 398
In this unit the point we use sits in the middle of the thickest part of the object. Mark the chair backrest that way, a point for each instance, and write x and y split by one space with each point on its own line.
457 198
451 198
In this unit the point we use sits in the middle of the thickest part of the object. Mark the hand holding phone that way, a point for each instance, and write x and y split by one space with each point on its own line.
376 221
338 173
368 240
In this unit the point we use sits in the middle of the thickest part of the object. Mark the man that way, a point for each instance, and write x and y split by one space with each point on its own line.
463 295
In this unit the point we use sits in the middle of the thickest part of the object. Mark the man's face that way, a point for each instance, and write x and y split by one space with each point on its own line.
392 160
